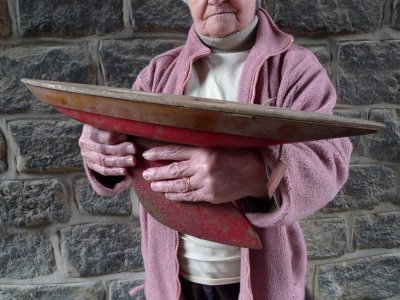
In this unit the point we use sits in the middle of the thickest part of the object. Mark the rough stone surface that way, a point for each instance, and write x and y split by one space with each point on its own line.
325 238
71 64
69 18
96 249
47 145
385 145
329 16
396 14
377 231
36 202
123 60
366 187
118 290
3 153
323 55
48 292
368 278
368 72
5 22
355 140
89 202
165 14
26 255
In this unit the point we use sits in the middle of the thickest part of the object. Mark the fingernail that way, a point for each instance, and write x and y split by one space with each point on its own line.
146 174
146 154
131 149
155 186
129 161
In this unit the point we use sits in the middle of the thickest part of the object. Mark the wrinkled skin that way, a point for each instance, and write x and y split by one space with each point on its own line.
216 175
220 18
107 153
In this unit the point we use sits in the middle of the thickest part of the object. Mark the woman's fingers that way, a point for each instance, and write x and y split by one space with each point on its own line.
106 171
216 175
125 148
170 152
178 169
108 160
105 152
180 185
191 197
177 177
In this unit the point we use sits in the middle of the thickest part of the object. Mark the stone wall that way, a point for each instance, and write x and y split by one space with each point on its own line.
59 240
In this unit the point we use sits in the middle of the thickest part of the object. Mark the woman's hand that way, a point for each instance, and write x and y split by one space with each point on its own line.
107 153
204 174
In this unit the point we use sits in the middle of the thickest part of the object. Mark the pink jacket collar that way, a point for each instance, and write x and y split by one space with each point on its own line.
270 41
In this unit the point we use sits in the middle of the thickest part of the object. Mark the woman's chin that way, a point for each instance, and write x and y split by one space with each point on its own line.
220 32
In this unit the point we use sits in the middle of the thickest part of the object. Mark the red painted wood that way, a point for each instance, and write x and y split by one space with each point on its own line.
166 133
222 223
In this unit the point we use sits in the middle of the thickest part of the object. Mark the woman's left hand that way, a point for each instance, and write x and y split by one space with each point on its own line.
207 174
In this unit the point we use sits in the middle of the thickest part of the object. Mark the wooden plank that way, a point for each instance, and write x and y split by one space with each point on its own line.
200 114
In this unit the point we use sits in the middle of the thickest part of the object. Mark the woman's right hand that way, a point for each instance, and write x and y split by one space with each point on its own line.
105 152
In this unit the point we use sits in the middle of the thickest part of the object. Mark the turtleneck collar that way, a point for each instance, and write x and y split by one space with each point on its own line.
236 42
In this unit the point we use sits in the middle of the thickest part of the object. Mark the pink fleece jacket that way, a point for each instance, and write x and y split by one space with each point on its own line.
315 170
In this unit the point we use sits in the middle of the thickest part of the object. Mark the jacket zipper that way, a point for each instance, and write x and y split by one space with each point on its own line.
253 95
249 275
190 70
177 266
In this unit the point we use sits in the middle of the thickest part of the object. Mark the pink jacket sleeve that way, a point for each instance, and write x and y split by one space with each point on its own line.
106 185
315 170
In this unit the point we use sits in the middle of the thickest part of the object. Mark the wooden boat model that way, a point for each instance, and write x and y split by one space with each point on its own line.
153 117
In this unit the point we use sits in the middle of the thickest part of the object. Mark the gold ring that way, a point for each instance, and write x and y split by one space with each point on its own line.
189 186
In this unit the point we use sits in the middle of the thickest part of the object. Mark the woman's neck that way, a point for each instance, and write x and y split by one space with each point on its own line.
236 42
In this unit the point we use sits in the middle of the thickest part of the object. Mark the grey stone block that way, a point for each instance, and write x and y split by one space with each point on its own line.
385 145
90 250
368 72
119 290
3 153
396 15
366 187
47 145
368 278
89 202
84 291
71 63
32 202
329 16
5 21
122 61
355 140
325 238
26 255
377 231
324 57
69 18
161 14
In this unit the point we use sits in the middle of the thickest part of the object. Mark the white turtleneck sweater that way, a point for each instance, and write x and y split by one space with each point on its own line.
216 76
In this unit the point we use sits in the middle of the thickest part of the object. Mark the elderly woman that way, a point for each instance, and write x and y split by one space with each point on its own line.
234 52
